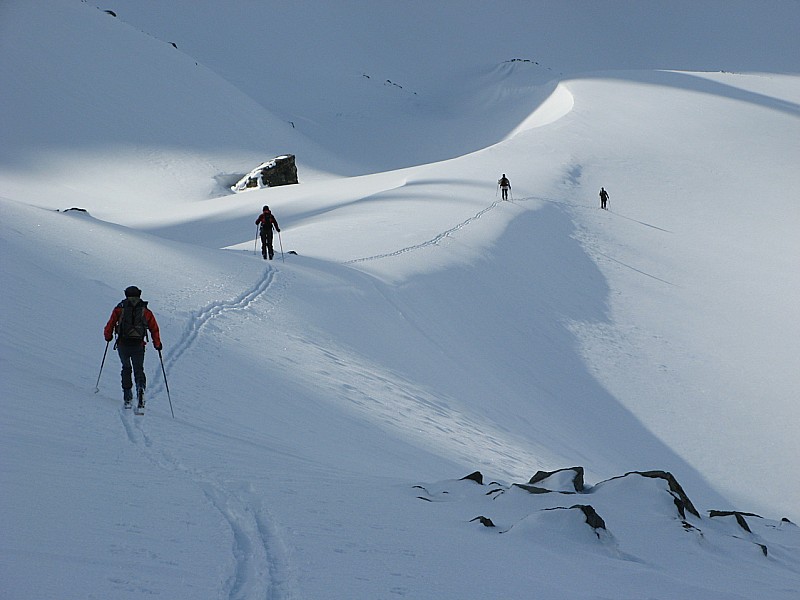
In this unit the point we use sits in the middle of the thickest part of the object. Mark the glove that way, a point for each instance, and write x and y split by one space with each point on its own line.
158 347
108 339
277 229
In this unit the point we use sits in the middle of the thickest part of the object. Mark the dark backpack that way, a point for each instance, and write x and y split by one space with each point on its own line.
132 326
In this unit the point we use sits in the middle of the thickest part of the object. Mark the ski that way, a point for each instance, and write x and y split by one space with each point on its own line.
139 411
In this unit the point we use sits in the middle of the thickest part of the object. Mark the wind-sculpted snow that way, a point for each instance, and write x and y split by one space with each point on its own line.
556 106
423 328
640 519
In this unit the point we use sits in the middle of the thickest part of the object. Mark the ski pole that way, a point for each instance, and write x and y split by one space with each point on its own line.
97 385
166 385
280 241
255 241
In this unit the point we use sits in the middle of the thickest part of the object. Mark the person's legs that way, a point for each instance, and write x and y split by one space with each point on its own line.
137 361
127 370
264 242
133 371
269 244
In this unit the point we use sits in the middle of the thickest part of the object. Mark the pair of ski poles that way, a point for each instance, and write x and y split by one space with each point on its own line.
280 241
163 371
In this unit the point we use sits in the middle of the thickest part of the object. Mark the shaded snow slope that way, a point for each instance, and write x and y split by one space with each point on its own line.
97 103
442 70
327 402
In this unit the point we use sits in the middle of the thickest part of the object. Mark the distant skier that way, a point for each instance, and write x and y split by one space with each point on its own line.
603 199
266 220
130 321
505 185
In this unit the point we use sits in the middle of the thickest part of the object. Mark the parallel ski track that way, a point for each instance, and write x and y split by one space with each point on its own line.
204 315
445 234
261 566
261 569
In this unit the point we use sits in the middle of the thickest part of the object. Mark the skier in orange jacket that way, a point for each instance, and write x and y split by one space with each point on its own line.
130 321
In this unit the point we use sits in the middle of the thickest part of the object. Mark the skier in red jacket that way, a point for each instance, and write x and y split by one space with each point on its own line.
131 320
267 221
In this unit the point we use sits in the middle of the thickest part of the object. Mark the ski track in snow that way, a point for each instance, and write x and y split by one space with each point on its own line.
204 315
395 403
435 240
261 569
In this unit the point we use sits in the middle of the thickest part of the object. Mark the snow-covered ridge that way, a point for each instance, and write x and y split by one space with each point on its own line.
425 328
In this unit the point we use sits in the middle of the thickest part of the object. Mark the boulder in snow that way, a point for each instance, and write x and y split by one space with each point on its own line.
281 170
563 480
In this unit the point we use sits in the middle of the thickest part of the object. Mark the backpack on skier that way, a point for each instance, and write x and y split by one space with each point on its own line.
132 326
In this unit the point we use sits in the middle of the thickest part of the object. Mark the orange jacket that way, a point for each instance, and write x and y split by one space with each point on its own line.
149 318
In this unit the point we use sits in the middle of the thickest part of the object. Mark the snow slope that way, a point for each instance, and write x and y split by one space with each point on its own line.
328 403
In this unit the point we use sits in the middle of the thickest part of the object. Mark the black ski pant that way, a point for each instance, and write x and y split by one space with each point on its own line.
504 194
132 357
266 242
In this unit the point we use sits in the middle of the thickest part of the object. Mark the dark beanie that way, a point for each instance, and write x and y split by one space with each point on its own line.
133 292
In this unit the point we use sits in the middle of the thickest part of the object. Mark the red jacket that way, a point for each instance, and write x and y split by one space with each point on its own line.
149 318
267 220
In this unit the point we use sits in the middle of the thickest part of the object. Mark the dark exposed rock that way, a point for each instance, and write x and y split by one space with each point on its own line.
682 501
477 477
725 513
485 521
531 488
577 479
594 520
740 517
281 170
110 12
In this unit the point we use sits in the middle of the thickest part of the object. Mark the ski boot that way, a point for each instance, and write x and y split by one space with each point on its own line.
140 398
127 396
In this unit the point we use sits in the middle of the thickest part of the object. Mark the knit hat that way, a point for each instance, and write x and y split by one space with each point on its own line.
133 292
